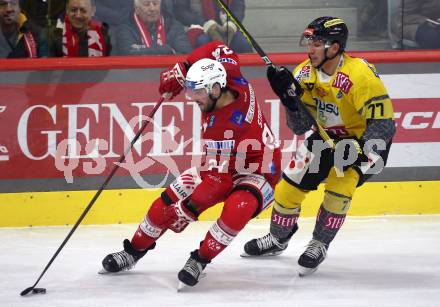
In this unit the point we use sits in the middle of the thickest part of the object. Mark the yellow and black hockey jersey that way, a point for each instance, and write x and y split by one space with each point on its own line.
344 101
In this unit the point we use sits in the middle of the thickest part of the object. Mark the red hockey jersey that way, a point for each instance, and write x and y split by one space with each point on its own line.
237 138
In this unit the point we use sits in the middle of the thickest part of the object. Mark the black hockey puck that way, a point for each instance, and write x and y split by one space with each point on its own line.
39 290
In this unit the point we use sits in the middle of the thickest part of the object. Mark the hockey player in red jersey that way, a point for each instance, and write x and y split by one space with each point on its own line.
241 162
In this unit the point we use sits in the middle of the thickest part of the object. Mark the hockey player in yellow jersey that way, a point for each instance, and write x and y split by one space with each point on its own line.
346 97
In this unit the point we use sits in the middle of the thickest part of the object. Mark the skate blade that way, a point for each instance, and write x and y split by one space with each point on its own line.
246 255
104 272
181 287
303 271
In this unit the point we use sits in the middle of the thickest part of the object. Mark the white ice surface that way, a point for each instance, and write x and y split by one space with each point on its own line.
380 261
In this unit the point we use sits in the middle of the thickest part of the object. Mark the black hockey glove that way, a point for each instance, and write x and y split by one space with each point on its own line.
349 152
285 85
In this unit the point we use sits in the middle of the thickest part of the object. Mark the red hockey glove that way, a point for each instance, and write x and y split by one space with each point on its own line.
182 216
172 80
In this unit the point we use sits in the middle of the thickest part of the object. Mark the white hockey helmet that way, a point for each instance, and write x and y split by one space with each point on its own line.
204 73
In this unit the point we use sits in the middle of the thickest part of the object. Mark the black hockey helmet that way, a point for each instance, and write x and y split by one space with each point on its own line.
328 29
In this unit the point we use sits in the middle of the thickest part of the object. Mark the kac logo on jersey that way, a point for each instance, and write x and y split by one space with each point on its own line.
240 81
237 118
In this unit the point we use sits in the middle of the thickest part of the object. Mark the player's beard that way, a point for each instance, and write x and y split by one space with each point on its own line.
208 107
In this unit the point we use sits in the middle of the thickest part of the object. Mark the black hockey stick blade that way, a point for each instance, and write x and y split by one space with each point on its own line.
26 291
33 290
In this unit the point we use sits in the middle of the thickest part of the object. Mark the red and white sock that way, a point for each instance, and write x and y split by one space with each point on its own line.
152 226
238 209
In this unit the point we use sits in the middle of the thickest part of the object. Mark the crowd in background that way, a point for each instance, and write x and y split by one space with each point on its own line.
71 28
416 23
42 28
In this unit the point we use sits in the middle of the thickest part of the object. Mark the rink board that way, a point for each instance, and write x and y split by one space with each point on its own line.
130 205
41 108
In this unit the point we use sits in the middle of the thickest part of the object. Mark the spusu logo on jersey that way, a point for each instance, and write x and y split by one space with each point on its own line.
327 107
328 114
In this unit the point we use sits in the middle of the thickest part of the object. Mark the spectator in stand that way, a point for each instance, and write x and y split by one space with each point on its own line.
421 22
113 12
205 21
151 29
189 13
43 13
18 38
78 35
372 18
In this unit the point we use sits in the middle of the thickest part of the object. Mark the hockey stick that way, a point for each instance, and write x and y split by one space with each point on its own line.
89 206
268 62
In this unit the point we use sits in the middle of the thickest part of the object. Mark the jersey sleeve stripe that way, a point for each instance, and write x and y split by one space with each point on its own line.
374 99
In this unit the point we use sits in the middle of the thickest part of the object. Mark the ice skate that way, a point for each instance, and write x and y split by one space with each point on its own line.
124 260
267 245
264 246
314 254
192 271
